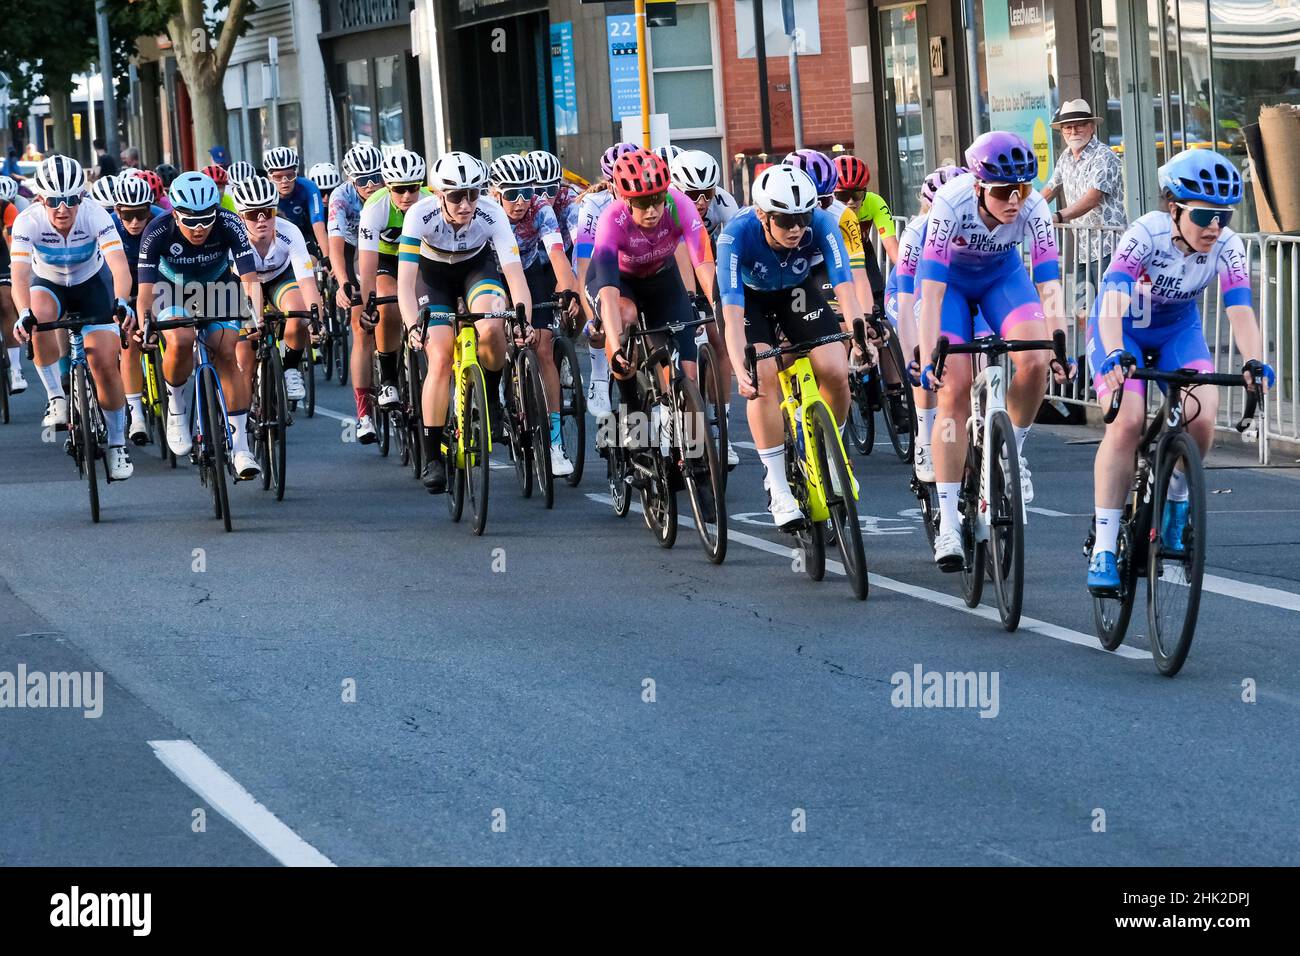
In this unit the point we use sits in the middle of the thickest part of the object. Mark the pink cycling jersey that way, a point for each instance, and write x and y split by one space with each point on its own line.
624 247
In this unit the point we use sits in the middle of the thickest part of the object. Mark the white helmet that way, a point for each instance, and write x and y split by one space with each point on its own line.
513 170
104 191
239 171
696 169
403 166
362 159
133 191
457 170
783 188
281 157
668 153
60 176
256 192
547 165
325 176
8 188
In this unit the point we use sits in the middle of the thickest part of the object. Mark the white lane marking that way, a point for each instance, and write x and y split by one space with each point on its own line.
1048 512
201 774
925 594
335 415
1255 593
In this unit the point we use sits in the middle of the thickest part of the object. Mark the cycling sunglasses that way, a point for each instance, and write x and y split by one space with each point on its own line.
259 215
695 195
825 201
134 214
850 195
458 196
287 176
516 193
54 202
1204 216
196 220
369 179
402 189
792 220
1004 191
647 202
549 192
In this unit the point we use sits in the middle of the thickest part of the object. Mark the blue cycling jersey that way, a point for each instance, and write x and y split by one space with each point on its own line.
130 243
166 255
303 206
745 260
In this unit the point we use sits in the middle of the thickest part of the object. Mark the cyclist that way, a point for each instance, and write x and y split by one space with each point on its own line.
102 191
636 267
166 174
562 196
132 212
447 247
285 270
592 203
826 177
326 177
219 176
873 213
76 258
1148 302
9 210
194 245
361 166
378 237
668 153
300 199
971 258
240 171
155 185
541 253
768 290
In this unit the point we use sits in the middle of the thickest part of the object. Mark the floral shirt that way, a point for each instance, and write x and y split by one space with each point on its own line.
1096 168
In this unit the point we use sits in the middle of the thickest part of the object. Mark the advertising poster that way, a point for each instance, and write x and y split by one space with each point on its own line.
624 81
563 81
1020 99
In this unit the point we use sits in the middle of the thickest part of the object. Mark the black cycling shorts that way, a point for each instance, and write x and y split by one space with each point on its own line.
661 299
350 264
541 288
440 284
801 313
387 265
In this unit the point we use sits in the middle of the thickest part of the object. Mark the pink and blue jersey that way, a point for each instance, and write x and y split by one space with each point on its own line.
535 233
590 207
621 246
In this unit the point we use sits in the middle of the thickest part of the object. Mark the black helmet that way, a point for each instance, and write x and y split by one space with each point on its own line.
167 172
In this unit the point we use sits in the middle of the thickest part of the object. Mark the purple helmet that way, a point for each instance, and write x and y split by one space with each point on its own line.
818 166
938 178
611 156
1002 157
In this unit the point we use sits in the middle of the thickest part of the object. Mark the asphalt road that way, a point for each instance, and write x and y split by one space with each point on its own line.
351 678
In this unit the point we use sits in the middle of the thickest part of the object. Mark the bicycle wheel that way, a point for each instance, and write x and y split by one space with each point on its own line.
516 424
897 403
86 442
714 393
276 413
383 430
659 502
455 473
697 457
972 565
214 437
1174 575
4 387
477 447
861 424
401 435
811 535
927 495
309 379
155 383
573 406
1111 614
1006 544
538 425
616 463
413 413
840 499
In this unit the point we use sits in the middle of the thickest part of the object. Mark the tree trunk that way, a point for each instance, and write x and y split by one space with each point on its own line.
202 62
61 114
208 105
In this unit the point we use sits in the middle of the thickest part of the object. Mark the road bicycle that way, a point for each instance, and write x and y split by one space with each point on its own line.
573 394
882 386
393 421
816 463
990 501
527 420
713 390
335 340
1174 570
269 413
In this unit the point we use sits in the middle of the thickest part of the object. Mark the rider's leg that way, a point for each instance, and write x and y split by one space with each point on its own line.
388 334
48 347
103 352
220 343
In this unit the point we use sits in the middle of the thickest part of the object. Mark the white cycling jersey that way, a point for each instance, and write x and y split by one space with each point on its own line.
720 212
428 234
288 250
68 260
589 210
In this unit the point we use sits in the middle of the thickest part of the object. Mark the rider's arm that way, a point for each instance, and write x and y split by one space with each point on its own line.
731 291
604 260
373 218
408 268
304 270
20 266
1234 285
553 243
1045 262
883 220
851 233
512 269
316 213
338 260
932 272
121 270
253 293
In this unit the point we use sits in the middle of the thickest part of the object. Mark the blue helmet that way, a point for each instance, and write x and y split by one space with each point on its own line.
1201 174
818 166
194 192
1002 157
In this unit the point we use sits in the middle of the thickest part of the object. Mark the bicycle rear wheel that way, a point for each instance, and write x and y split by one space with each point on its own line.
1174 574
84 435
698 458
861 424
896 401
477 448
537 424
659 501
214 439
455 472
840 499
1006 544
573 406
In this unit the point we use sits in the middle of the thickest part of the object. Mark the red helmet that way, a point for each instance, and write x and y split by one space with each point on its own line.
153 179
216 173
640 174
854 173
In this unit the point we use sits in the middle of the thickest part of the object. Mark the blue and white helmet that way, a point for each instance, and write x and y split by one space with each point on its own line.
547 166
60 176
8 189
281 157
1201 174
194 192
240 170
104 191
133 191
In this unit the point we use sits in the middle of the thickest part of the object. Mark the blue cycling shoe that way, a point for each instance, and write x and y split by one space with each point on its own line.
1173 526
1103 574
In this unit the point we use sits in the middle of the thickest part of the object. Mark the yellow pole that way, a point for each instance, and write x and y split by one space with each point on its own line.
644 71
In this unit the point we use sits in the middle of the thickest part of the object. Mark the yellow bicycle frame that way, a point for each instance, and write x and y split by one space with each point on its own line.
799 395
151 396
464 357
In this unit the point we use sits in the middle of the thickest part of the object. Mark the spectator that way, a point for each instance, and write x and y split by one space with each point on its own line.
31 155
1088 185
131 158
106 164
10 167
220 156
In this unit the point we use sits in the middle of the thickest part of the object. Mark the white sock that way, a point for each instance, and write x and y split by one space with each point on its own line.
136 402
726 412
15 357
949 519
773 460
599 364
51 379
115 420
177 399
239 431
925 425
1178 485
1021 435
1108 520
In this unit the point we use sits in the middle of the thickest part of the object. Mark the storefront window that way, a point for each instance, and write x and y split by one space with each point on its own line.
290 126
357 84
390 79
901 29
682 58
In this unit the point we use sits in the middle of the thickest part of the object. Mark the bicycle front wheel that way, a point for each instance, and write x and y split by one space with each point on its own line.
897 403
1006 545
455 469
1111 614
537 424
861 425
573 406
85 437
477 446
714 392
698 458
1176 562
841 499
277 422
972 565
414 413
811 535
214 438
